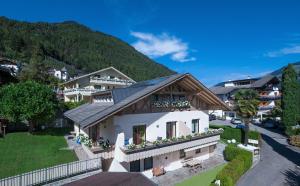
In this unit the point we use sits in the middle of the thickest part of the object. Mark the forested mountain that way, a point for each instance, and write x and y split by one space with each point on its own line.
75 46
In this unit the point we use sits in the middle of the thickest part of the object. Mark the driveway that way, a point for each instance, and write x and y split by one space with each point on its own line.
278 162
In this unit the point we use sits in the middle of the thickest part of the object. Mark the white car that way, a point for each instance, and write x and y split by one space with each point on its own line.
256 121
236 121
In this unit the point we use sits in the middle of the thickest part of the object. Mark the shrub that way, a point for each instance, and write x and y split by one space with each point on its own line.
240 162
232 133
295 140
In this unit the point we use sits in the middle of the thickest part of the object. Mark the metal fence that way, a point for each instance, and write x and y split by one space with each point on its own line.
48 175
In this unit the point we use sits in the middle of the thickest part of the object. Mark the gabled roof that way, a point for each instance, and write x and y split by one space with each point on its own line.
96 72
219 89
262 81
124 97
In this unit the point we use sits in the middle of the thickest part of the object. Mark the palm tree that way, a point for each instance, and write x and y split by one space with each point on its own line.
246 106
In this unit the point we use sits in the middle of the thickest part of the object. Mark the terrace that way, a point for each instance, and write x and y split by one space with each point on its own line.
158 147
106 80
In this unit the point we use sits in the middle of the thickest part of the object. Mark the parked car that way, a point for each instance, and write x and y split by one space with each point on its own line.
256 121
240 126
212 117
269 123
236 121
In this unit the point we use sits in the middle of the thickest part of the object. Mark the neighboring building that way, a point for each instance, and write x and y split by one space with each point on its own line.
8 71
61 74
267 86
151 124
12 65
82 88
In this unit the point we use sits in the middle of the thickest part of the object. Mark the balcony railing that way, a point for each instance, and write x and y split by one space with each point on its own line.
80 90
172 104
269 97
131 148
111 81
267 107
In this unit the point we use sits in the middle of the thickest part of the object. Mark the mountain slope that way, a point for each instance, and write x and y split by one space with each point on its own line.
74 46
279 72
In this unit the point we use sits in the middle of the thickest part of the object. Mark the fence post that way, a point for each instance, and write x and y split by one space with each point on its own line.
86 166
46 173
20 180
67 169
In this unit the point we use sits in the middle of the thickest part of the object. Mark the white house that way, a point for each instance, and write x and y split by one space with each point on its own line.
82 87
150 124
61 74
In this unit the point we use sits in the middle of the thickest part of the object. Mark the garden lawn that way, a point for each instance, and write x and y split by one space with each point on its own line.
202 179
22 152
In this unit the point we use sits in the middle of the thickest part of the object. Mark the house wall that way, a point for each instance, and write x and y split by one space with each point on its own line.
156 123
171 161
77 131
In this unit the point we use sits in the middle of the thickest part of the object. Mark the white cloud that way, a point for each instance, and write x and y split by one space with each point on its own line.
161 45
284 51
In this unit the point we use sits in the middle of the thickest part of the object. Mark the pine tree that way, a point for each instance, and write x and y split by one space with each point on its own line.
290 95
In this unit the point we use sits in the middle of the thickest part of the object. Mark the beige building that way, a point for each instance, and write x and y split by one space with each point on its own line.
81 88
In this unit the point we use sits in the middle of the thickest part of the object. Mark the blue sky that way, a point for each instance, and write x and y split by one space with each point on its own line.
213 40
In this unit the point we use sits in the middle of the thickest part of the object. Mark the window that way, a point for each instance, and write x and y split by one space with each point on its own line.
135 166
139 134
181 154
171 129
148 163
195 126
198 151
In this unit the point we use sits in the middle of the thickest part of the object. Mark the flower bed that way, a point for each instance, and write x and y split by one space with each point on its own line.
132 148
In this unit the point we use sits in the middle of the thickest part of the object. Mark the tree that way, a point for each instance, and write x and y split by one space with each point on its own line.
29 101
246 106
290 96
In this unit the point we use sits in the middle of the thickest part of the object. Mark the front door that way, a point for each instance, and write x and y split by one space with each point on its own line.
139 134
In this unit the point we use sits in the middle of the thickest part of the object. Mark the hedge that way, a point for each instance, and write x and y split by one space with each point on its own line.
233 133
240 162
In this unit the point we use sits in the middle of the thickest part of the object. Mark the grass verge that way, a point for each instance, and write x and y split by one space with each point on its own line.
202 179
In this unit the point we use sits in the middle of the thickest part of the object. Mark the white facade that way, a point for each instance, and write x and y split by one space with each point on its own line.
62 75
120 128
156 123
82 88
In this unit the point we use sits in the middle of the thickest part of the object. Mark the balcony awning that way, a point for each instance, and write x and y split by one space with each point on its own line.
199 146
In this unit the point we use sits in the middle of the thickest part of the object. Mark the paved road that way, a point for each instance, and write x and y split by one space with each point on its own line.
278 161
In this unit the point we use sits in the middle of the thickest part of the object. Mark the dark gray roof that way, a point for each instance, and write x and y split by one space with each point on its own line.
120 94
260 82
64 69
222 90
89 113
82 112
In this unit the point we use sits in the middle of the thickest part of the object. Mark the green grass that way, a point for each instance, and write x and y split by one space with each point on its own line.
22 152
202 179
